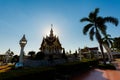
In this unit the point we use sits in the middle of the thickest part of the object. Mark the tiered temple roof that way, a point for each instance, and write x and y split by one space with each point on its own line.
51 44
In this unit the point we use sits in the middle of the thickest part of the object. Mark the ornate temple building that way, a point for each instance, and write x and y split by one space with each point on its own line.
51 44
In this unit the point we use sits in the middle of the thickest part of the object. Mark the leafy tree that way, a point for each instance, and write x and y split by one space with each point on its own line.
40 56
97 27
31 53
15 59
64 55
11 53
116 43
75 54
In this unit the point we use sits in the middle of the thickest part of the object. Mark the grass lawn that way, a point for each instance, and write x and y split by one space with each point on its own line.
5 68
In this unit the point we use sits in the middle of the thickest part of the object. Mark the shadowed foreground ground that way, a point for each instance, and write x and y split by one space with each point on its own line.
95 74
98 74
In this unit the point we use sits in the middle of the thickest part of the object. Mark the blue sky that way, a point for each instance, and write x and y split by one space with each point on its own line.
34 17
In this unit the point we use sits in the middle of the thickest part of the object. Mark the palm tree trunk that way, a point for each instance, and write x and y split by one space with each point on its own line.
103 55
108 51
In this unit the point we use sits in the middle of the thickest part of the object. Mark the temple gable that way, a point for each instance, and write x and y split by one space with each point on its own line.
51 44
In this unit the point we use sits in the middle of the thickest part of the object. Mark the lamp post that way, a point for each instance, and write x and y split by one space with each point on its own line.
22 43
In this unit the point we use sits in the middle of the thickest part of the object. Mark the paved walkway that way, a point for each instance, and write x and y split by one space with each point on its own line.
98 74
117 64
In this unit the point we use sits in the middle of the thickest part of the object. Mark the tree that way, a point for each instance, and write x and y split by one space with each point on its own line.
40 56
108 43
64 56
116 43
11 53
75 54
108 40
31 53
15 59
97 27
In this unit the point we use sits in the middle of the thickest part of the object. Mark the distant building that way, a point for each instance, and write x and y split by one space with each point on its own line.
93 50
51 44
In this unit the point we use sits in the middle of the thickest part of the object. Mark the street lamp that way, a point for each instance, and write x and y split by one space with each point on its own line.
22 43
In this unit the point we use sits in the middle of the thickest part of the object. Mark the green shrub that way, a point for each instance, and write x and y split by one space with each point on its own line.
77 66
28 73
106 66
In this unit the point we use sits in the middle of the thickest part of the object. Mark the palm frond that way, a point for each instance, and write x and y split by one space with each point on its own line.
96 13
108 36
99 20
103 29
96 10
111 20
86 28
91 33
91 16
107 40
85 19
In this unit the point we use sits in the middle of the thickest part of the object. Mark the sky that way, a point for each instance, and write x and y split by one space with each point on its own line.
34 18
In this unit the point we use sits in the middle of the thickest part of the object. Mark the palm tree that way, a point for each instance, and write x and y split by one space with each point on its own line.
108 43
108 40
97 27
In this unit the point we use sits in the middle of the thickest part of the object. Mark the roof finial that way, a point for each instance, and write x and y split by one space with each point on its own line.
51 31
51 25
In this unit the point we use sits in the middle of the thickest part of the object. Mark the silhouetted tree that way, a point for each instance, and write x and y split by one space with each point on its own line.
11 53
108 40
64 55
31 53
75 54
69 51
15 59
108 43
40 56
116 43
97 27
